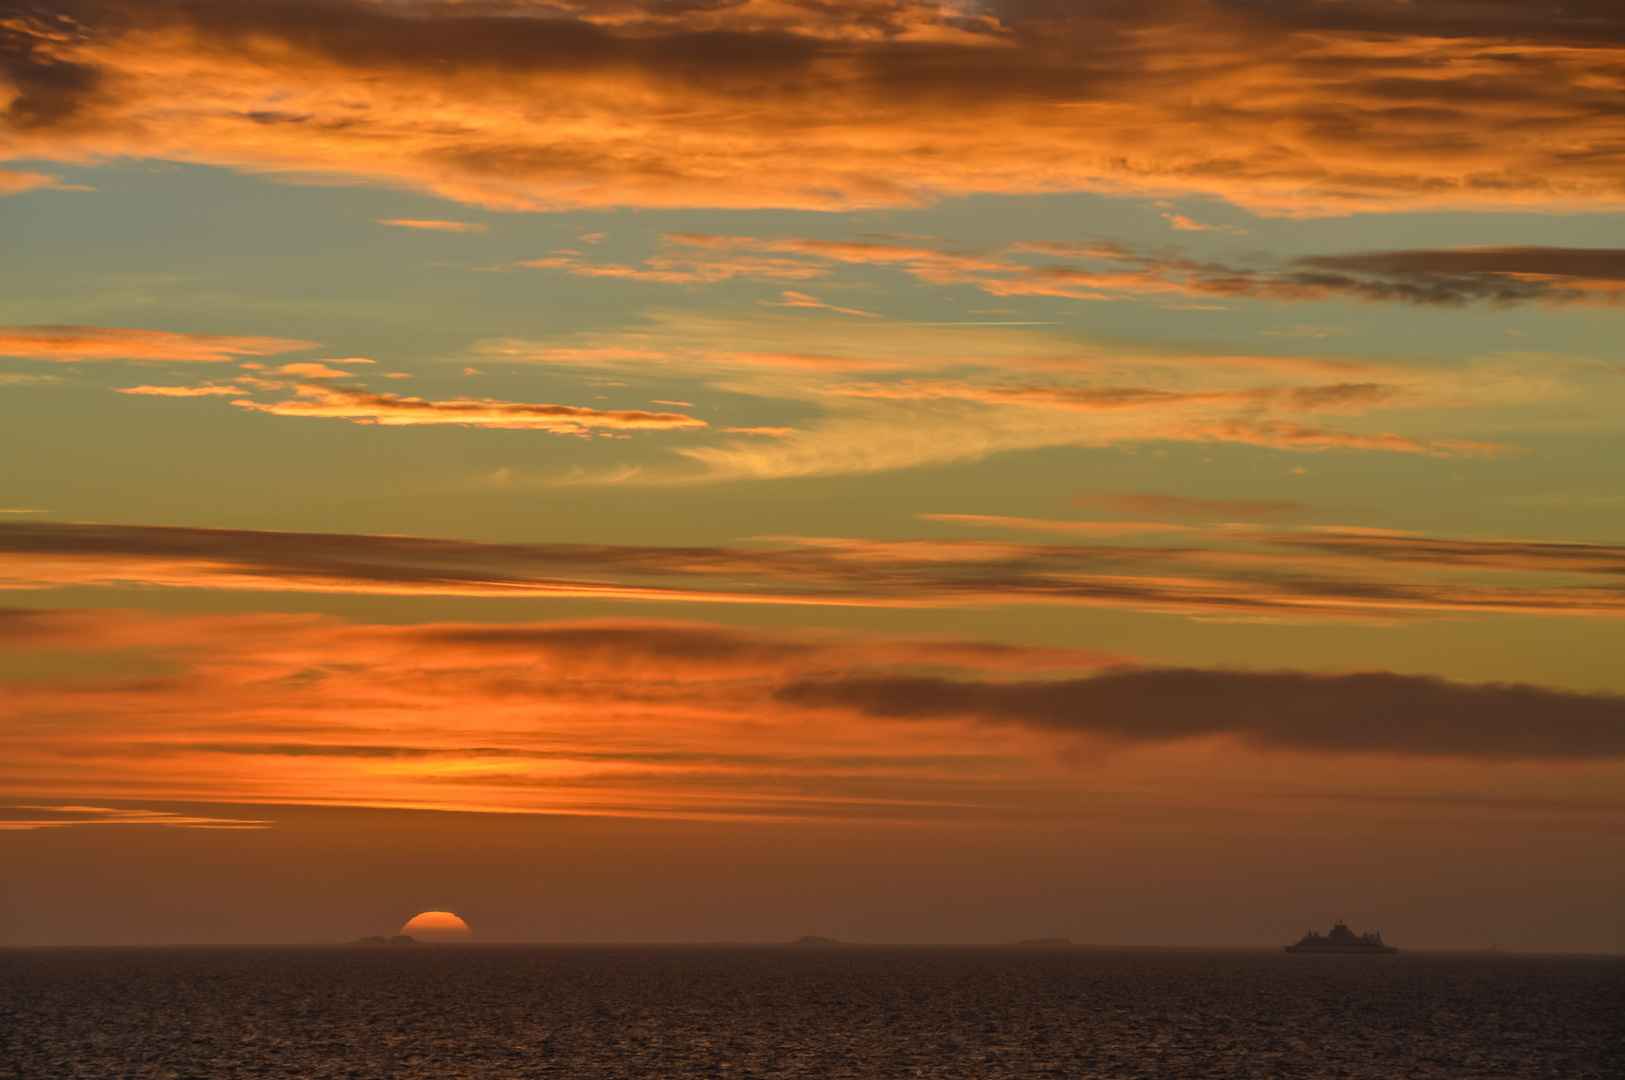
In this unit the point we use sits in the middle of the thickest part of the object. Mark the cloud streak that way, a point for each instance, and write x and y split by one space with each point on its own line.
1340 574
72 344
395 410
21 818
433 225
181 391
1443 277
1111 270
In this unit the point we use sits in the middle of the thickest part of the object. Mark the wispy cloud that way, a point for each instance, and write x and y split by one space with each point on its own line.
432 225
15 182
367 407
1074 528
795 299
68 344
1185 224
1107 269
18 818
318 395
1323 573
207 390
1448 277
935 395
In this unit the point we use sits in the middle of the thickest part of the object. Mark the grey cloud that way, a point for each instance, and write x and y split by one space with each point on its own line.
1446 277
1378 712
1455 276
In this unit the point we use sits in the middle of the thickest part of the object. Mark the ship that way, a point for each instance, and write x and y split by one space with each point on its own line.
1341 940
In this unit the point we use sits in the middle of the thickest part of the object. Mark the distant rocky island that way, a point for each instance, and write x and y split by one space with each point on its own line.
398 939
814 939
1045 943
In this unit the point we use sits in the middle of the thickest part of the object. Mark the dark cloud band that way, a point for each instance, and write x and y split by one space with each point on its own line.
1373 712
1306 574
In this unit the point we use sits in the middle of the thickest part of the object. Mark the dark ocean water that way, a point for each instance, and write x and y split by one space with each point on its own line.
678 1013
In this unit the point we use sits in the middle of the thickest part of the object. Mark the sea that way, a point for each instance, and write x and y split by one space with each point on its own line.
680 1012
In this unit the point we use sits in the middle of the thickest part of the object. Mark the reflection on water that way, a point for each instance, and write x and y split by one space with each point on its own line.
673 1013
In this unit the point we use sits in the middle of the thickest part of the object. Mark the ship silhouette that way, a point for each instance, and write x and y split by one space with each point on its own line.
1341 940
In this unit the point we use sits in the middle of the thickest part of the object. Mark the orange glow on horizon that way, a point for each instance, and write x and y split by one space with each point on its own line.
666 719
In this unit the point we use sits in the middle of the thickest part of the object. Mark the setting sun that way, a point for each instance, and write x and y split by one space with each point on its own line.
437 926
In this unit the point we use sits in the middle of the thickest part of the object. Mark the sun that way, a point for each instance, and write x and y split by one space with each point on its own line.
437 926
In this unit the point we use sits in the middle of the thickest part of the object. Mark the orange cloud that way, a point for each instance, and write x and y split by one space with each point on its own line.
15 182
695 258
680 270
795 299
1185 224
1284 109
16 818
366 407
436 226
1285 435
68 344
1341 397
318 370
182 391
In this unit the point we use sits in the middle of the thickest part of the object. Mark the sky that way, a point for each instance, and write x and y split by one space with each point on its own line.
725 470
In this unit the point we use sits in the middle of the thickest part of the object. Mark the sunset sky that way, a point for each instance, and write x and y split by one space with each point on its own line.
722 470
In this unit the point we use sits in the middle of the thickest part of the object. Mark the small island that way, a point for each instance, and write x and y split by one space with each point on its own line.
1046 943
814 939
398 939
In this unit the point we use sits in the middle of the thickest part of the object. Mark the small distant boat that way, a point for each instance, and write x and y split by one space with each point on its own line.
1341 940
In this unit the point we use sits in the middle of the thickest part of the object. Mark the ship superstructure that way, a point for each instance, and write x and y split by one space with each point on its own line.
1341 940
